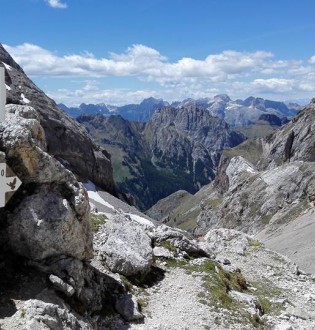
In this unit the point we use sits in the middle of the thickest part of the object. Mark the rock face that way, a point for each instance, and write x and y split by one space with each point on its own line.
177 149
65 138
295 141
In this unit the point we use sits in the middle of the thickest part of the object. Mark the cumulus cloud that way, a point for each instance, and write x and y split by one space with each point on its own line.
136 60
236 73
275 85
312 60
57 4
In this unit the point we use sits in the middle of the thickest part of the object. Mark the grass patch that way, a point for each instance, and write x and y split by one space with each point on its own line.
176 263
127 283
266 305
265 218
250 149
255 243
168 246
97 220
213 203
217 282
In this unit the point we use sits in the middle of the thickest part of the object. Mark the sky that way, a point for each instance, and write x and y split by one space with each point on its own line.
122 51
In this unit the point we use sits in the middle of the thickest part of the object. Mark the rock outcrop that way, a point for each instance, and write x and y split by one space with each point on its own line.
66 139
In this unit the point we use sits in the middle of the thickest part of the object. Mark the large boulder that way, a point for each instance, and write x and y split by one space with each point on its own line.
124 246
51 216
178 239
45 224
226 240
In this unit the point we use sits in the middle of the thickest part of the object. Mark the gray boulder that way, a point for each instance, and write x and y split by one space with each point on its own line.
226 240
124 246
179 240
62 286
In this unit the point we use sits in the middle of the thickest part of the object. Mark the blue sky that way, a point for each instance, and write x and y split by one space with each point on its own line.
125 50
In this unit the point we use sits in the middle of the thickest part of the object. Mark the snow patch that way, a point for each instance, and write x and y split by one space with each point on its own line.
24 99
8 88
93 194
8 67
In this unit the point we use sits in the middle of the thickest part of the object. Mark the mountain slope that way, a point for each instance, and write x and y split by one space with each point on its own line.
66 138
177 149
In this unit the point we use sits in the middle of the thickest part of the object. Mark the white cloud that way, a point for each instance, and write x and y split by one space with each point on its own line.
57 4
312 60
108 96
236 73
275 85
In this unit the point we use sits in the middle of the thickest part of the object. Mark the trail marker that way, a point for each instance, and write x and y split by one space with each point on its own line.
9 184
2 94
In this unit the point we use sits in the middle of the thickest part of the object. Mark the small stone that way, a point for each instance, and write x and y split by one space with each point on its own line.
127 307
62 286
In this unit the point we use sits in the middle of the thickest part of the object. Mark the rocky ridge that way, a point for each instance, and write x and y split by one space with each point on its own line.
234 112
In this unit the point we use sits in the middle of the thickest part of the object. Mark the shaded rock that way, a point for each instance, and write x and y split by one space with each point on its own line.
127 307
45 224
124 246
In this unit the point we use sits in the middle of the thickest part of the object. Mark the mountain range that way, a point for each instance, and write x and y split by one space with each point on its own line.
235 113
